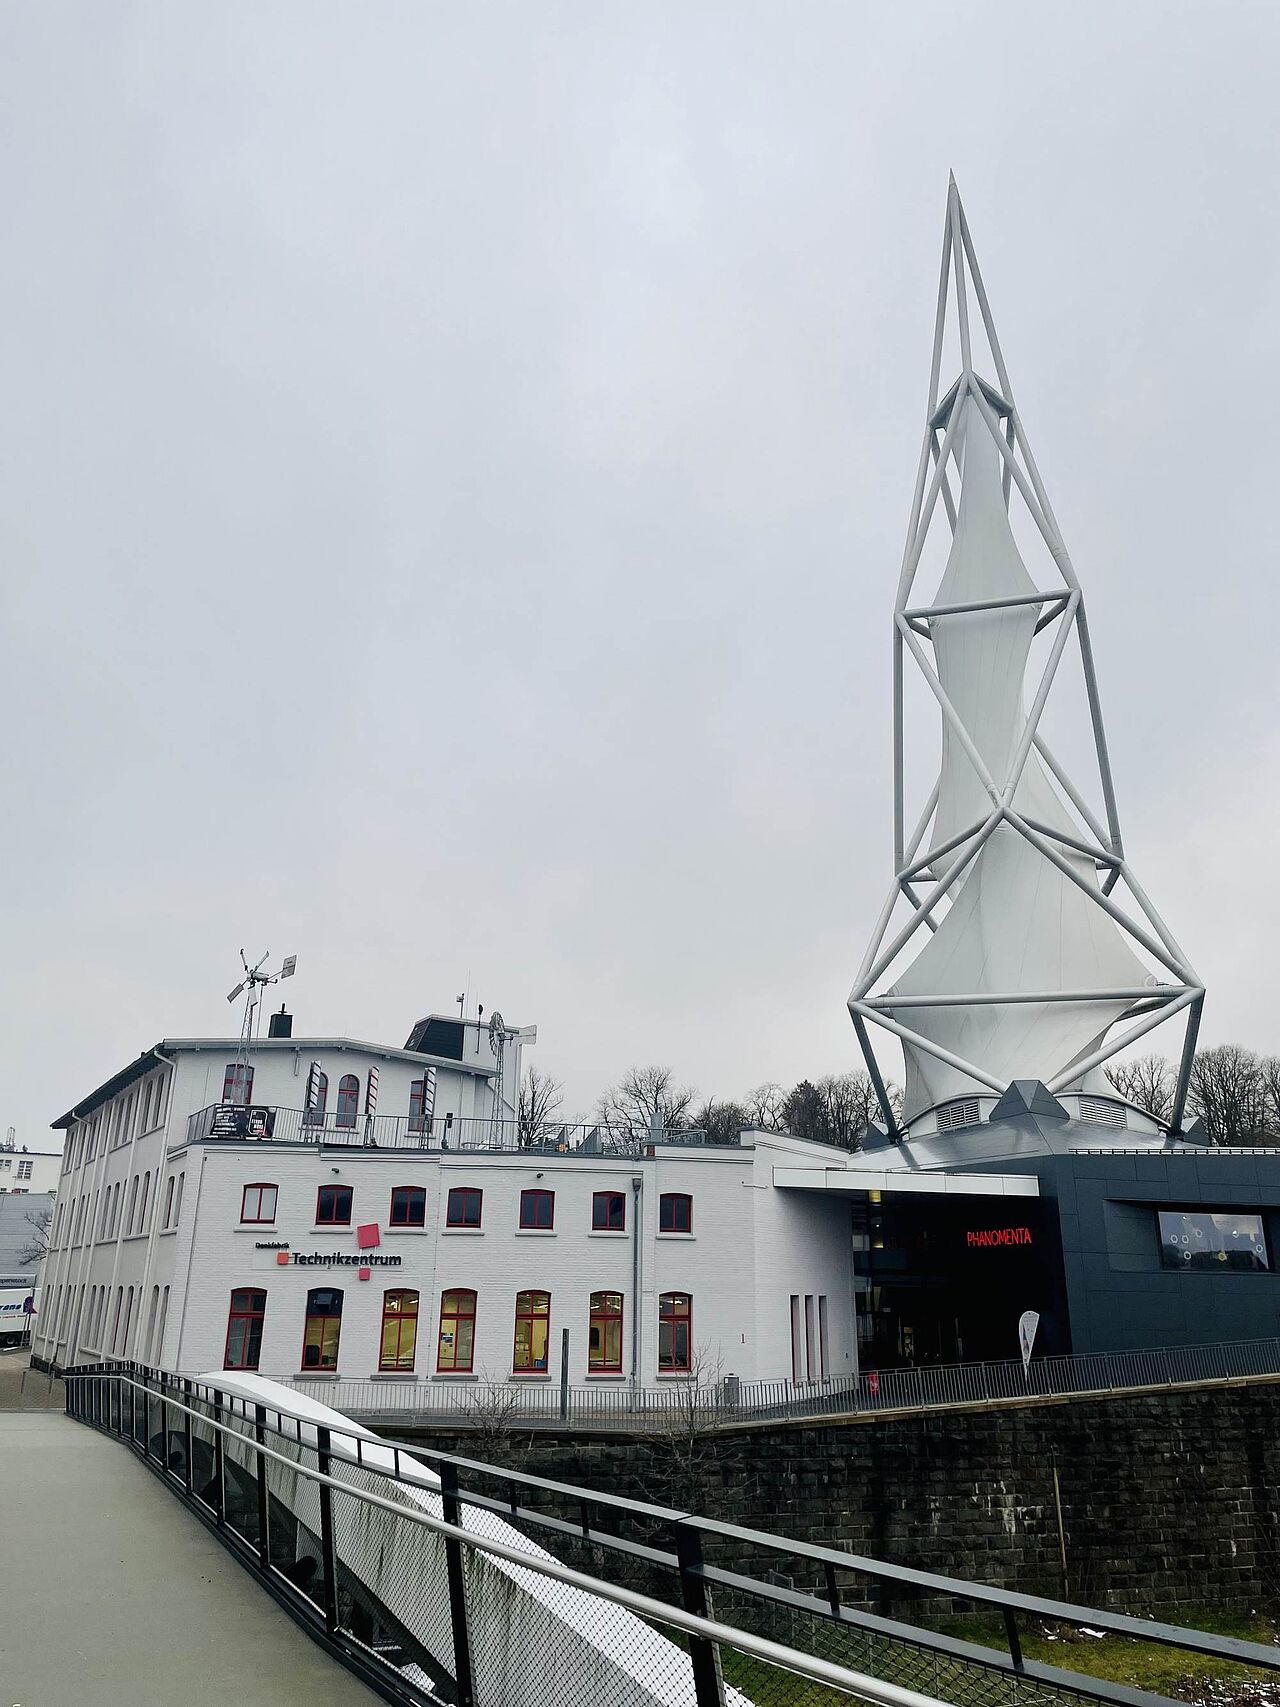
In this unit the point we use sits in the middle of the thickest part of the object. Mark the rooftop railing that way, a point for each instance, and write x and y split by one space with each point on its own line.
236 1123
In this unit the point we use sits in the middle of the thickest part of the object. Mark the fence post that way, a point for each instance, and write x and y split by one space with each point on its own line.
564 1374
260 1435
219 1460
188 1475
704 1655
328 1554
133 1413
452 1510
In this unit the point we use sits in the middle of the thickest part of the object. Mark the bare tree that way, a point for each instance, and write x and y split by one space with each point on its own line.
805 1112
36 1243
763 1107
1147 1082
640 1096
491 1408
540 1097
1269 1074
1228 1094
687 1438
723 1122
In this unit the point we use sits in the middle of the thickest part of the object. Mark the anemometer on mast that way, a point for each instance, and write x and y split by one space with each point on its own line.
254 981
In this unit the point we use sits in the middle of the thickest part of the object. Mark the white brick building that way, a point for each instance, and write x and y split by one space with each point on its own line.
210 1217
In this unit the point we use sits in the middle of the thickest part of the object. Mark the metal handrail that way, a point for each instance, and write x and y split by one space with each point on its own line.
870 1689
1010 1603
437 1133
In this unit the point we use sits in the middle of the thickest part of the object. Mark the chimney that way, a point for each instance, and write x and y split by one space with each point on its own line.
281 1024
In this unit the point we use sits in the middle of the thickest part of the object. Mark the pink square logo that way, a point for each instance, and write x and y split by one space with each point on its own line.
368 1236
366 1274
282 1259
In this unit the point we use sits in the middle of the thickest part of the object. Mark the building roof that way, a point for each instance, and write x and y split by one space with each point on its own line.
164 1051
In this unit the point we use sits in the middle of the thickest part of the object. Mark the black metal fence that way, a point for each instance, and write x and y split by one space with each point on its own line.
730 1401
405 1563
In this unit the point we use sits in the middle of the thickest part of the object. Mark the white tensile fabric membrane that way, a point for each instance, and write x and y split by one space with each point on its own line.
1016 922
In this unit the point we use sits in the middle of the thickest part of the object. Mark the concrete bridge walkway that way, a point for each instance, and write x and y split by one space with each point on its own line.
110 1592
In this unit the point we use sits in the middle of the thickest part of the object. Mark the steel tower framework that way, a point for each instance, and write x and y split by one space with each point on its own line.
1006 778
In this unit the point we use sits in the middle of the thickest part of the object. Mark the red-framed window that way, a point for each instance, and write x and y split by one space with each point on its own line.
318 1088
464 1206
323 1329
604 1341
457 1344
257 1204
538 1209
675 1333
533 1333
244 1328
408 1206
333 1206
399 1342
609 1212
675 1212
237 1084
419 1105
348 1100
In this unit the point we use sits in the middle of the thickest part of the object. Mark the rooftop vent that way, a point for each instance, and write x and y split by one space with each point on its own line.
281 1024
1101 1111
962 1111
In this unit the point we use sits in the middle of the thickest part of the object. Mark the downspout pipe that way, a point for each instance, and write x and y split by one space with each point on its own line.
637 1225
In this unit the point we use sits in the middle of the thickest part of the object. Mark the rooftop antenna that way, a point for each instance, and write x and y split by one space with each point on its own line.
254 981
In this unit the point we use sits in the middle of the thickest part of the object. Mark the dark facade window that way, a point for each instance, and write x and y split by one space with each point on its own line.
1212 1240
399 1330
323 1329
457 1331
319 1089
237 1085
537 1209
257 1204
244 1329
333 1206
675 1324
604 1343
408 1206
348 1100
675 1212
608 1212
533 1332
463 1208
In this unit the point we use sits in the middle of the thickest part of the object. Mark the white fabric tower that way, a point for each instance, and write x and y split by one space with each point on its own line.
1032 959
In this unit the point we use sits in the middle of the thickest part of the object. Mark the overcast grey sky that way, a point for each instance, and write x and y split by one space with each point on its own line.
454 464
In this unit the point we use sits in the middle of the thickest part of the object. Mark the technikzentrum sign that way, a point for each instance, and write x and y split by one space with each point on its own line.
366 1257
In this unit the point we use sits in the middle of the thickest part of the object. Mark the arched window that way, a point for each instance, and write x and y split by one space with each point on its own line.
675 1212
533 1332
168 1199
399 1330
148 1343
244 1328
128 1322
537 1210
464 1206
604 1343
348 1100
237 1084
258 1204
177 1202
133 1202
323 1329
164 1317
608 1212
333 1206
457 1345
408 1206
318 1099
675 1333
146 1193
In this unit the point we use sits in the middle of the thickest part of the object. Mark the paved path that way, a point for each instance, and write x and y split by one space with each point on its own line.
112 1593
